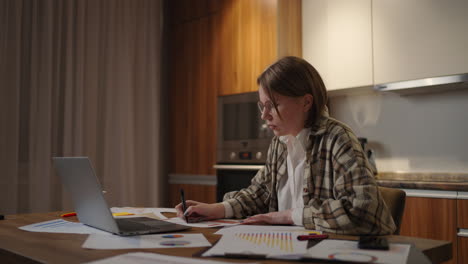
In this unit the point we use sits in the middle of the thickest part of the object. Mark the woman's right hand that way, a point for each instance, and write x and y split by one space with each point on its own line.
197 211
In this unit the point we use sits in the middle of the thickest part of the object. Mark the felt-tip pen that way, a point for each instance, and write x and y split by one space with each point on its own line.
309 237
184 205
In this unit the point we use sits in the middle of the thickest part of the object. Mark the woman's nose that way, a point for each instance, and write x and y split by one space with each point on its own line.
266 115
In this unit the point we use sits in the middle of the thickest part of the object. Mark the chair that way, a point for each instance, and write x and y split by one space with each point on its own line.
395 201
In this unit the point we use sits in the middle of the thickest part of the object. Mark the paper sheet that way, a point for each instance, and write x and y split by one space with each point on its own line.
345 250
180 240
263 228
283 244
62 226
206 224
139 211
151 258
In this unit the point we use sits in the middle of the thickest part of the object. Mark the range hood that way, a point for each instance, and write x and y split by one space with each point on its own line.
450 81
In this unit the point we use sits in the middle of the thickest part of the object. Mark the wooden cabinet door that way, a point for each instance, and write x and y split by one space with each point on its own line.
419 39
462 250
433 218
337 41
193 92
462 210
248 43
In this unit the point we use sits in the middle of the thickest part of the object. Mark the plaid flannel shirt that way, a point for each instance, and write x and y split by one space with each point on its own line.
339 191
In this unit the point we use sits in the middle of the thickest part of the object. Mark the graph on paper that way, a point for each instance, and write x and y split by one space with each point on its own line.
282 241
272 243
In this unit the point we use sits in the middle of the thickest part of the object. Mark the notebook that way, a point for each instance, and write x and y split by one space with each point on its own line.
79 179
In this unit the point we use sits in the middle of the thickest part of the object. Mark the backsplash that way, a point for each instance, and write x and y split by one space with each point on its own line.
410 133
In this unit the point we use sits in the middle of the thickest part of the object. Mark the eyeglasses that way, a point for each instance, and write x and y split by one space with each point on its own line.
269 106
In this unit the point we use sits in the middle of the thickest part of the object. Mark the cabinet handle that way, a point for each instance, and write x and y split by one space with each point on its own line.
462 232
430 194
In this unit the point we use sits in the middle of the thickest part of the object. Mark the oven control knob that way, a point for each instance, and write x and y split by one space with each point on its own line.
258 155
232 155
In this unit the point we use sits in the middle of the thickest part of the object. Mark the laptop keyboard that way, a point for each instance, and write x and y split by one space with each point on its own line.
140 223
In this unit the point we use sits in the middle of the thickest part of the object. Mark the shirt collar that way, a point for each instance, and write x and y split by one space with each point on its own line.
302 137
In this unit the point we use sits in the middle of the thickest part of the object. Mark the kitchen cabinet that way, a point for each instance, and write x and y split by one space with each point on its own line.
462 224
337 41
462 250
419 39
462 217
360 43
253 35
217 48
428 216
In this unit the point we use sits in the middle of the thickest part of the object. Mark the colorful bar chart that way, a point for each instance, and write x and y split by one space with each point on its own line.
282 241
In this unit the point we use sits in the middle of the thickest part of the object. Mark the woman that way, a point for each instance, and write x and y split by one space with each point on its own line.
316 174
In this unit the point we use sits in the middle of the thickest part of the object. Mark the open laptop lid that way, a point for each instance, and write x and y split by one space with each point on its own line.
80 181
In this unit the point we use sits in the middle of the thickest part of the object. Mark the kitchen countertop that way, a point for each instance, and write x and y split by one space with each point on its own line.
424 180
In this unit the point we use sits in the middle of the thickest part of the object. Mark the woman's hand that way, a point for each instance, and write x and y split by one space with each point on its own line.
273 218
197 211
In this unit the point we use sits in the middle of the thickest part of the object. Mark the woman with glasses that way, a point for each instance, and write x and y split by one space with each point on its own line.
316 174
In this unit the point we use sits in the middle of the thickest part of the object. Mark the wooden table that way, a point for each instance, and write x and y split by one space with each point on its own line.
18 246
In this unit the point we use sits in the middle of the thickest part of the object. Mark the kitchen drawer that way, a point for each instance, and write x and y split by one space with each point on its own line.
431 214
462 249
462 210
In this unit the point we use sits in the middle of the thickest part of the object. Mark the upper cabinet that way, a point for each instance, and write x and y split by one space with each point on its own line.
254 34
419 39
337 41
355 43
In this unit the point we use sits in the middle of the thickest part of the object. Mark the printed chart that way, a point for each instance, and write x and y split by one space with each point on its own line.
264 243
275 240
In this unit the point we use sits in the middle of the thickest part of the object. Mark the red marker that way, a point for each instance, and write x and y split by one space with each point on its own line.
309 237
69 214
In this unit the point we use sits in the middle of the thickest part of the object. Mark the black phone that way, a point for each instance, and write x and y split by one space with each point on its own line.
373 242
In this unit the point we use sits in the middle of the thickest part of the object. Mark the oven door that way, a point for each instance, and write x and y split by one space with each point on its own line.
233 178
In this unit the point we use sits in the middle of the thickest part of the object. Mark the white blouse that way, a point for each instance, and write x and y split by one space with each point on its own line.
289 188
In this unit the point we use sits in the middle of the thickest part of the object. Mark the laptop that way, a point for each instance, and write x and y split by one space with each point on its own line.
80 181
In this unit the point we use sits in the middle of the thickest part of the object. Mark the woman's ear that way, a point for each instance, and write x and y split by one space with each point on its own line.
308 102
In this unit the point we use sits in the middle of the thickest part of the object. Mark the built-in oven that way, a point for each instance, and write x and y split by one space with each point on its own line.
233 177
242 143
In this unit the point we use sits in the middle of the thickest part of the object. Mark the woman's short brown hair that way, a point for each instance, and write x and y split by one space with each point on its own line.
294 77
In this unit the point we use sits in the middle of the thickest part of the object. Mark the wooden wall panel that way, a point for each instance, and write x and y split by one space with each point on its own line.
431 218
200 193
184 11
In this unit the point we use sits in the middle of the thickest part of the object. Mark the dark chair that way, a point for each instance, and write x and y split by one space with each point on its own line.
395 201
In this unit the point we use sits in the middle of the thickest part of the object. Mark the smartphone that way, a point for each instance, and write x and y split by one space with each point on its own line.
373 242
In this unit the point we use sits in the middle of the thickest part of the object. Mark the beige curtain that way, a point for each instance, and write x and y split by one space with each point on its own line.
81 78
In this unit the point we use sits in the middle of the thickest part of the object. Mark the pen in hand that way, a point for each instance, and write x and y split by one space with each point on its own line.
184 205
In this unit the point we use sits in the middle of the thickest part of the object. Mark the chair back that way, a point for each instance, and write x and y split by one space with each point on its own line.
395 201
